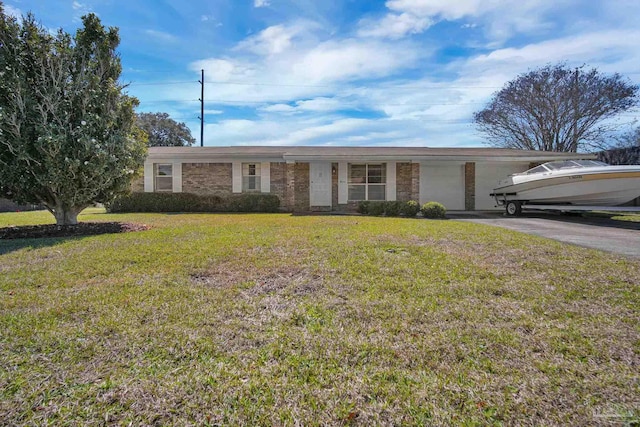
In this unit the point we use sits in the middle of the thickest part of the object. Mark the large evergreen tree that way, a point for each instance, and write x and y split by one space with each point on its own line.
67 134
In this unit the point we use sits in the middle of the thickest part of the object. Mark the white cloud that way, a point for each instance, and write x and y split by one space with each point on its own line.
353 59
161 36
261 3
415 16
610 51
500 19
279 108
12 11
395 26
219 69
272 40
211 19
80 10
304 70
320 104
446 9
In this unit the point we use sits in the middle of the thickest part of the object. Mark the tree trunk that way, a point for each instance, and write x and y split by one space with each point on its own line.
66 216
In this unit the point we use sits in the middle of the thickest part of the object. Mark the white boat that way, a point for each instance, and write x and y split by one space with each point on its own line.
569 182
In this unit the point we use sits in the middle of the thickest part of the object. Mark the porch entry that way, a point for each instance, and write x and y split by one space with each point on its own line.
320 184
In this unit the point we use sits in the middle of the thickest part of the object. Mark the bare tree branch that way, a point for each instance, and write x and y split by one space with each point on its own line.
555 108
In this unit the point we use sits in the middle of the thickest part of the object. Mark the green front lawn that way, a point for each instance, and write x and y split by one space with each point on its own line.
319 320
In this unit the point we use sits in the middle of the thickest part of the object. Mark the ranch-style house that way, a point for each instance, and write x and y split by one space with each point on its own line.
336 178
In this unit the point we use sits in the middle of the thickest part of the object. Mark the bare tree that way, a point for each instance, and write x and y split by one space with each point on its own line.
629 139
555 108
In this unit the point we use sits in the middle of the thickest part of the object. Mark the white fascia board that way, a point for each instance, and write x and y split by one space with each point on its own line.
203 158
348 159
464 159
148 177
428 158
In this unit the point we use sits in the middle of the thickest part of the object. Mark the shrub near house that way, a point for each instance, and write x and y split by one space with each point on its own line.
187 202
389 208
433 210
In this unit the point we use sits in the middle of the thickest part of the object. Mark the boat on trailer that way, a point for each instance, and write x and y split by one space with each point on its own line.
569 185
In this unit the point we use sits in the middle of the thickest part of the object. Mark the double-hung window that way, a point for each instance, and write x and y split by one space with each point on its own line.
250 177
367 181
163 177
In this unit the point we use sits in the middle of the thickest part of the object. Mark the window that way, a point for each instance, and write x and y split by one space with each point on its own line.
250 177
367 181
163 177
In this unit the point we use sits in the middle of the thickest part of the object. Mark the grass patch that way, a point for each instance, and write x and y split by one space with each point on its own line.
627 217
282 320
616 216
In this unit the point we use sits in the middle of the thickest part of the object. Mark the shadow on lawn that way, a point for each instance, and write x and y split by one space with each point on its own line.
37 236
11 245
601 220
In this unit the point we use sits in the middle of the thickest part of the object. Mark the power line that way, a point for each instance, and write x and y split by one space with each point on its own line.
177 82
238 83
240 101
400 86
379 104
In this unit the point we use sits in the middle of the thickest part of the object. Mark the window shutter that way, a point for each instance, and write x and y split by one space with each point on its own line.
148 177
177 177
265 177
343 188
236 177
391 181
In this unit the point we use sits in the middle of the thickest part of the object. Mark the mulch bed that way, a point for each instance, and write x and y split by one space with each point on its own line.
82 229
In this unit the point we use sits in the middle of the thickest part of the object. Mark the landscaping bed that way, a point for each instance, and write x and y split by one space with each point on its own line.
81 229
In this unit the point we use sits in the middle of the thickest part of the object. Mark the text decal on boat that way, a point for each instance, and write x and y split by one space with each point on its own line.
575 177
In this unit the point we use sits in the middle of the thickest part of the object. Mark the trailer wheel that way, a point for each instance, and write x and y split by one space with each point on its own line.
513 208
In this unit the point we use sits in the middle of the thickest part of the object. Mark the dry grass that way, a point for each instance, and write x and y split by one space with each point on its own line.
280 320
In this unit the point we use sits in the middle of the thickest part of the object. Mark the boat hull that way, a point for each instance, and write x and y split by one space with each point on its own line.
598 189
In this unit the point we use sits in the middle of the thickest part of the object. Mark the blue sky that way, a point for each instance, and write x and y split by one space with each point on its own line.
348 72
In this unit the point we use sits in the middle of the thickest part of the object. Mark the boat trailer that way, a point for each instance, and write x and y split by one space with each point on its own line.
514 207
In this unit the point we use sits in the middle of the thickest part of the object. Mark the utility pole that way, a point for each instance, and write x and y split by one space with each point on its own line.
576 93
201 81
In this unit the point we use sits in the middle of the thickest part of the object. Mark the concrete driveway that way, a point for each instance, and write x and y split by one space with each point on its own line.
620 237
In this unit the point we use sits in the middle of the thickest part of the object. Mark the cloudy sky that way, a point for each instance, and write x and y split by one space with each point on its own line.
347 72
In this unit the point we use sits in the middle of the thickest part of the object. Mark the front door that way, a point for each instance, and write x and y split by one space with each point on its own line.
320 184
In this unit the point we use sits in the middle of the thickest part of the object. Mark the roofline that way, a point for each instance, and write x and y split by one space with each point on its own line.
323 153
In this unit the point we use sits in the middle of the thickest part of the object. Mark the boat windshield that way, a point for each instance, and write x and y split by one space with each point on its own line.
564 164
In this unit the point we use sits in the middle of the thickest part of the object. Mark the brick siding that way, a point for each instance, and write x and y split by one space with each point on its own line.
470 186
404 183
279 182
301 184
415 181
207 178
